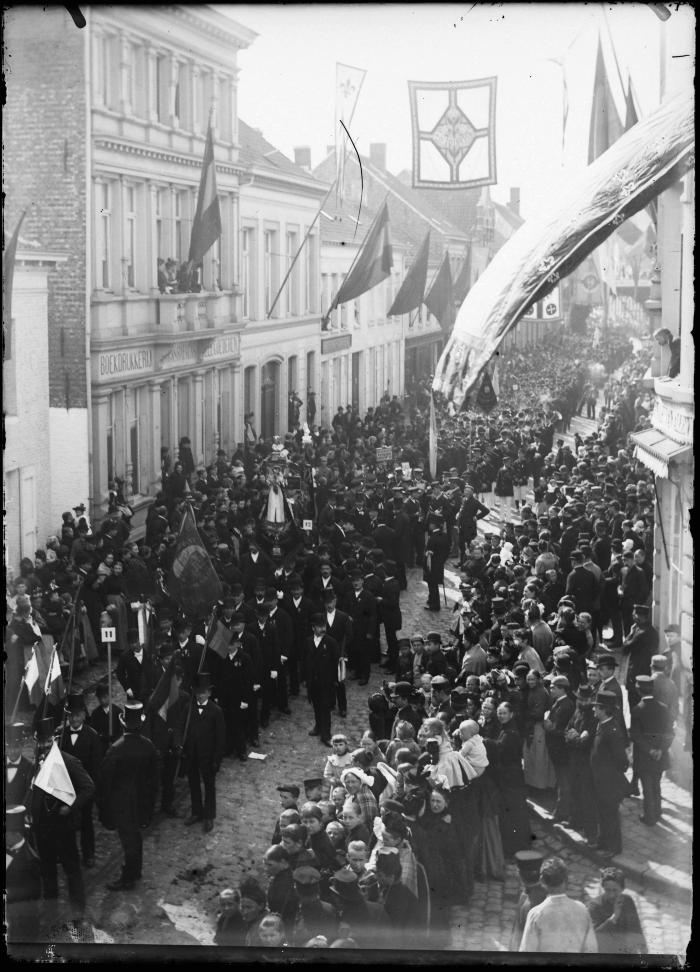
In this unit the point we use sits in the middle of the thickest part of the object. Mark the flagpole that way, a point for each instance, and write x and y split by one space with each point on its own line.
359 251
297 254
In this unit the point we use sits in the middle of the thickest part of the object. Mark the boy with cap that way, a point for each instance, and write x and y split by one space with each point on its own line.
203 741
533 893
127 792
314 917
81 741
651 732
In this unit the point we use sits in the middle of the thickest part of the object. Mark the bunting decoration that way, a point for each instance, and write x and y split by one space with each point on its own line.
439 299
348 82
637 167
193 582
454 133
412 289
372 264
206 227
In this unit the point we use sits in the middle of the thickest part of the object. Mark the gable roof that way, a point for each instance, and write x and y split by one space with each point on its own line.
255 150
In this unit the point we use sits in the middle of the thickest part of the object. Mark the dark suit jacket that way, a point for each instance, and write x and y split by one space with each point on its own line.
609 761
640 644
135 675
322 669
363 612
233 680
128 782
206 735
99 720
301 620
584 587
264 568
389 606
341 630
650 728
17 792
87 748
559 714
269 646
285 631
438 545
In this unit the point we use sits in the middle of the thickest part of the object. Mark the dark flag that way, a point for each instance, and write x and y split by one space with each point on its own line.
412 289
194 583
206 228
439 299
8 272
373 264
605 127
464 280
166 692
486 397
631 118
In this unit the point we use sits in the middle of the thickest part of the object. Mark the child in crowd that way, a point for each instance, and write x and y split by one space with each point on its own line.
338 760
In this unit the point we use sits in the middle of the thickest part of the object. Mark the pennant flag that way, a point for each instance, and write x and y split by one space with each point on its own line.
642 163
220 639
348 81
193 581
53 777
372 264
439 299
605 126
486 396
8 273
206 228
432 441
42 675
464 278
631 118
166 692
411 291
454 133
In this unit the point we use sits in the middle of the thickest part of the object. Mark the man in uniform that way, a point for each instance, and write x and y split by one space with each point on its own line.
127 792
608 765
640 644
652 734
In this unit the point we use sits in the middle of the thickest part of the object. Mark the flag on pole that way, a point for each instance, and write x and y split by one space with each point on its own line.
206 228
42 675
348 81
193 581
166 692
454 133
464 278
642 163
605 125
439 300
412 289
432 440
53 777
373 263
8 272
220 639
631 118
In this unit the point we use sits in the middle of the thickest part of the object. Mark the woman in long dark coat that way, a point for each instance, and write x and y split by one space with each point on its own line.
506 752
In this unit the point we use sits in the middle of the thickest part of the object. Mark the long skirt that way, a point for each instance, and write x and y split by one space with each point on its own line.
537 766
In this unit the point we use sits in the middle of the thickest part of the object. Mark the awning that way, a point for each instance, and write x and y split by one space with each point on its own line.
657 451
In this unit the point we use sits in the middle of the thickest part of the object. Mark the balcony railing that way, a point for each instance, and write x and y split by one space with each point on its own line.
140 315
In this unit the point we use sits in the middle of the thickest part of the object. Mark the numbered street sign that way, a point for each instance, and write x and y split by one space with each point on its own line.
108 634
307 525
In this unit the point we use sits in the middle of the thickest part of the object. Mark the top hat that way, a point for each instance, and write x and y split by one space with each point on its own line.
75 702
201 680
644 682
14 734
14 819
529 863
44 730
133 716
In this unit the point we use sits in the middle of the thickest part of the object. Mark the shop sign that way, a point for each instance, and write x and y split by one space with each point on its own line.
340 342
122 364
226 346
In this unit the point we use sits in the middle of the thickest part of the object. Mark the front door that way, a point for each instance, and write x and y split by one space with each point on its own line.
269 399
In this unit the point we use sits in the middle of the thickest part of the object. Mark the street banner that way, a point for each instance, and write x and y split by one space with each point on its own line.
348 81
643 162
372 265
454 133
439 299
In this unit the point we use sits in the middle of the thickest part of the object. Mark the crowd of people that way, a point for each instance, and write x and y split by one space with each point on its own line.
521 694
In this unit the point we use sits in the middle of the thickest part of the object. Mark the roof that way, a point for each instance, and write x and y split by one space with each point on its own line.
513 219
339 224
459 205
255 150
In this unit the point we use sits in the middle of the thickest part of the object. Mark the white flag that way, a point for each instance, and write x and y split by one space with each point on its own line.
53 673
53 777
348 81
31 672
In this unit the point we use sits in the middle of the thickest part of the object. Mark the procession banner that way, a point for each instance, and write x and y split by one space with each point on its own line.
193 581
643 162
454 133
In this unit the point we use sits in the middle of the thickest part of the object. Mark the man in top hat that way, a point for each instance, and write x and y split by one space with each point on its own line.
608 766
651 731
322 657
127 791
105 720
18 769
54 823
533 893
22 878
339 628
203 739
640 644
81 741
390 614
469 513
135 671
361 606
299 608
437 550
265 632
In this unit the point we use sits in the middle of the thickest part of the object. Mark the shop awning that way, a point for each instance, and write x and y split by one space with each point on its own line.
657 451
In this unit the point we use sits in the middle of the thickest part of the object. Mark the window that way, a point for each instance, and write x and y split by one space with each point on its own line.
310 371
246 270
270 279
129 93
309 276
103 69
129 257
182 225
134 455
223 120
103 193
161 246
292 285
162 77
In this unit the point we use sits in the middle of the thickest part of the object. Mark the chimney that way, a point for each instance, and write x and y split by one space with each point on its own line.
377 155
514 203
302 157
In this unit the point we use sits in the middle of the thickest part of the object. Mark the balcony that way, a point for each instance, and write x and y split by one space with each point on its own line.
140 315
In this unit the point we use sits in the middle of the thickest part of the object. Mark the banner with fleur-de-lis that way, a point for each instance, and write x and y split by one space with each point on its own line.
454 133
644 161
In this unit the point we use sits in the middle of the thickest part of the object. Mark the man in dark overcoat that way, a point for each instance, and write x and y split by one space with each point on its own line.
127 791
299 608
555 737
390 614
233 678
339 627
437 549
469 513
608 765
203 741
640 644
361 606
81 741
322 656
651 731
265 632
18 769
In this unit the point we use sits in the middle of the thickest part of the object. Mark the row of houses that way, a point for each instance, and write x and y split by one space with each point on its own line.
107 366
